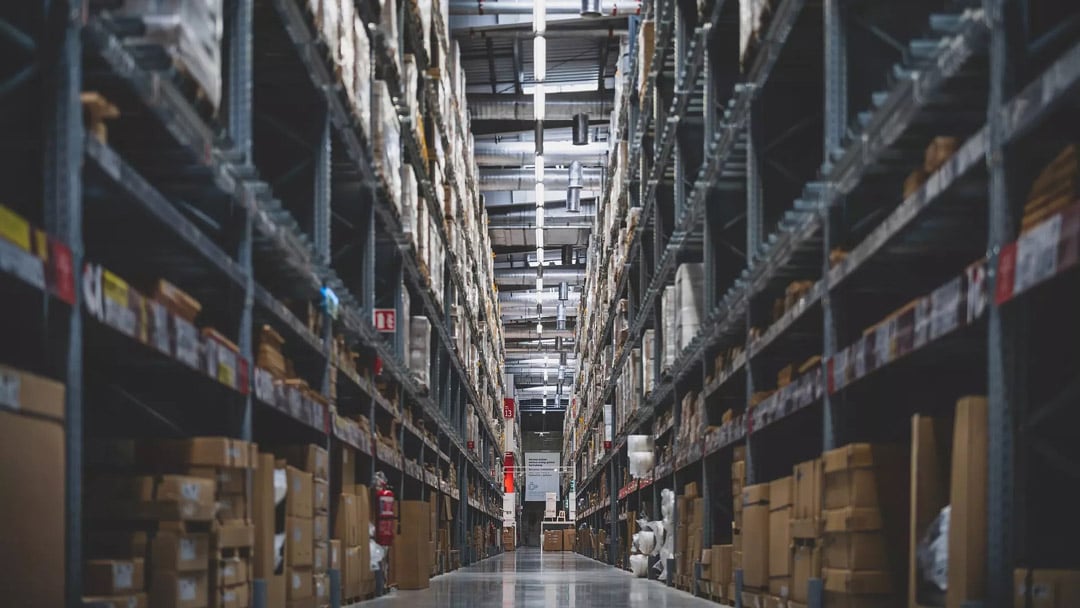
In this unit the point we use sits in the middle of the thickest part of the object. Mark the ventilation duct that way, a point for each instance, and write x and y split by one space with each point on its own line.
494 180
523 153
564 291
524 277
557 106
568 255
560 315
576 182
581 129
590 8
553 7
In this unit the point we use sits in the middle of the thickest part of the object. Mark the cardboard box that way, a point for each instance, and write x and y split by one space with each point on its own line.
322 589
851 473
299 542
931 441
237 596
347 522
113 576
180 552
1047 588
233 534
321 499
569 539
321 558
553 540
233 507
848 600
805 565
134 600
300 493
348 466
232 571
350 576
311 459
857 582
335 555
412 562
780 536
756 527
221 452
855 551
722 568
170 589
808 480
851 519
263 510
968 498
321 529
300 583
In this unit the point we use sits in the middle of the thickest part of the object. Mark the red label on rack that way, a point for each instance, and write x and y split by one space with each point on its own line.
607 445
1006 273
243 381
63 271
471 445
385 320
508 408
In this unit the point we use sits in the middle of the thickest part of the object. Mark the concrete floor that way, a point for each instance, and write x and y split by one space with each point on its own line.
554 580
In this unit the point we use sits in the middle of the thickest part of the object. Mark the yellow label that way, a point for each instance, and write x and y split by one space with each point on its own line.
14 228
115 288
42 242
225 374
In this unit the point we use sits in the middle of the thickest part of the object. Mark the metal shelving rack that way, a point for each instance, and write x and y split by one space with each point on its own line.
186 192
966 69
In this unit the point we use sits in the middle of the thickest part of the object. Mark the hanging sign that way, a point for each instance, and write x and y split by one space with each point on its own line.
508 408
384 319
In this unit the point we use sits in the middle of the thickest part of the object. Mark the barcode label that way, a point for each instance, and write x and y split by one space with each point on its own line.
10 386
188 589
187 549
1036 254
190 491
123 575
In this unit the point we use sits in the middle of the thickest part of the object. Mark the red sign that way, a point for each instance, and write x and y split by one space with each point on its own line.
508 408
471 445
607 445
385 320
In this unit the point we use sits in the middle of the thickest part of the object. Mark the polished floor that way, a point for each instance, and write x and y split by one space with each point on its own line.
527 578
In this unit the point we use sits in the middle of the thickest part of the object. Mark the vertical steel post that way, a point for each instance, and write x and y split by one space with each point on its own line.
321 203
241 15
1005 364
63 218
368 278
836 58
245 258
755 195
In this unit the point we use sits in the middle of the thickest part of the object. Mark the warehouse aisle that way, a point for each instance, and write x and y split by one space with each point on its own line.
525 578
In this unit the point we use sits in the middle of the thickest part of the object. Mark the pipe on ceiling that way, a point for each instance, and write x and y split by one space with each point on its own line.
552 7
560 106
524 277
494 180
523 153
530 334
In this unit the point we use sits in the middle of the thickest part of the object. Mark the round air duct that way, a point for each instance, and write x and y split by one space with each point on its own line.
590 8
581 129
573 192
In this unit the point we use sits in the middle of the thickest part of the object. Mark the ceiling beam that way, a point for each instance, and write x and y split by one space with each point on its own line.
491 65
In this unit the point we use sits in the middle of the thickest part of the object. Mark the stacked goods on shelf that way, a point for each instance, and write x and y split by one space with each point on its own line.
646 47
938 152
353 536
191 32
738 484
1056 187
420 349
312 462
173 514
668 332
689 286
866 521
755 538
648 361
411 552
1042 588
386 139
692 420
32 422
694 528
806 527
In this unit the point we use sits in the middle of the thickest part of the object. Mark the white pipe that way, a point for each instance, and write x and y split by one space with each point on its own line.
521 7
494 180
523 153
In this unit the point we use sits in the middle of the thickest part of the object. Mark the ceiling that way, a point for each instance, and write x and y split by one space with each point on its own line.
497 55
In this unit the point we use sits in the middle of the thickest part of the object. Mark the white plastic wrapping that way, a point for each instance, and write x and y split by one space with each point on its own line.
689 281
377 551
639 565
933 551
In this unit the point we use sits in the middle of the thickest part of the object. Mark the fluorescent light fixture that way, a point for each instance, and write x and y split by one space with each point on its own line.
539 167
539 286
540 192
539 256
539 217
539 328
539 16
539 237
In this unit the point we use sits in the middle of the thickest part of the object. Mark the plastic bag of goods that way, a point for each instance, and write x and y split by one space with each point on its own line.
645 541
641 464
376 551
933 553
639 565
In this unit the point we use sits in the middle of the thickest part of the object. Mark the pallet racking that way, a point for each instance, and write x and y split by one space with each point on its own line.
718 151
269 205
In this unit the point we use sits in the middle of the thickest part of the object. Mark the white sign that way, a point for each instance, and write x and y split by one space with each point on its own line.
509 510
549 505
541 475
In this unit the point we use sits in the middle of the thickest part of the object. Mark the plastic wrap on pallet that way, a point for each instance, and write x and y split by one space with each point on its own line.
386 138
388 26
751 17
689 280
191 32
360 96
420 349
648 361
410 198
411 82
668 313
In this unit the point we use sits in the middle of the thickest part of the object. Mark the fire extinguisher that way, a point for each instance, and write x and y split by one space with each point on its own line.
387 512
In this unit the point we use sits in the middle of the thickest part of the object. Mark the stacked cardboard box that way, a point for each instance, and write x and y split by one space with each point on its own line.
780 562
721 571
755 529
411 552
738 482
1056 187
865 530
553 540
308 471
31 422
806 527
352 536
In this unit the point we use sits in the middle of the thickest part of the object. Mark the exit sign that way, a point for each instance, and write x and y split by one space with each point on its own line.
385 320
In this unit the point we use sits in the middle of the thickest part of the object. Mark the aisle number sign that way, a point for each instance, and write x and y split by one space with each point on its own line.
385 320
508 408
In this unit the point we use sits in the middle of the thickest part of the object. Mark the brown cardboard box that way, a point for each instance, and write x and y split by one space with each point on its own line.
135 600
808 480
321 529
805 565
553 540
181 552
335 555
348 466
697 512
299 495
851 519
931 441
347 524
967 519
263 510
855 551
1048 588
780 536
171 589
756 527
309 458
233 507
321 558
116 544
300 583
197 451
690 490
232 571
851 488
852 471
237 596
412 564
321 498
848 600
113 576
322 589
231 481
350 576
721 566
857 582
569 539
299 543
233 534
